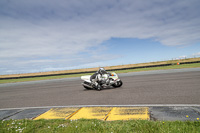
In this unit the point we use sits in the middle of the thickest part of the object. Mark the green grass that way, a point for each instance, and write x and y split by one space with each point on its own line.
98 126
120 71
161 68
40 78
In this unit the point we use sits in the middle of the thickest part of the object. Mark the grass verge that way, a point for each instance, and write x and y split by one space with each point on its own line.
91 126
40 78
195 65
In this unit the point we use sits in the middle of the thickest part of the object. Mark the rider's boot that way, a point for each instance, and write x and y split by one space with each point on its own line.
94 84
107 82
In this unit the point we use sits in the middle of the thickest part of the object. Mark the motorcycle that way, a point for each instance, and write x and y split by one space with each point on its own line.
102 81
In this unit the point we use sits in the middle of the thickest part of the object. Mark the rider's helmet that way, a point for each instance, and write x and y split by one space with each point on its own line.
102 70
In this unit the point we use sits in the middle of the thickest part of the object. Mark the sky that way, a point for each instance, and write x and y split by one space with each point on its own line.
52 35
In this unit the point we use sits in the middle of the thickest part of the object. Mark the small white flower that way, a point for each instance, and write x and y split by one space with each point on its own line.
61 125
49 127
76 126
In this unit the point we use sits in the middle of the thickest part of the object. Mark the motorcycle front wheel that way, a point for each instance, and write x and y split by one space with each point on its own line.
118 84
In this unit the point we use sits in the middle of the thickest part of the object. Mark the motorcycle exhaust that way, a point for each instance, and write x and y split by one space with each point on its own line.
87 85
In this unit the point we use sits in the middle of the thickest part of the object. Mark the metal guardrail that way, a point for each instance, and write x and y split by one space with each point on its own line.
95 71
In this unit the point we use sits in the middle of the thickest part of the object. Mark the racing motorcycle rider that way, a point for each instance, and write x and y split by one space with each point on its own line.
94 78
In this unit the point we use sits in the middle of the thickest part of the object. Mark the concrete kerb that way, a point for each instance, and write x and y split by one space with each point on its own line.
161 112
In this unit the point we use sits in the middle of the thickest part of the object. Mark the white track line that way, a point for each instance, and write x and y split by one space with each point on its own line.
137 105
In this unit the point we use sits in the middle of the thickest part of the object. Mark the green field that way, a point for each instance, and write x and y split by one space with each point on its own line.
120 71
195 65
98 126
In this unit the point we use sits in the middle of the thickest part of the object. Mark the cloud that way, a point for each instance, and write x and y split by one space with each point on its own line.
70 32
182 57
196 54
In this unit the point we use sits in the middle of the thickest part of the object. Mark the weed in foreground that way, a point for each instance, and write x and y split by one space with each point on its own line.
92 126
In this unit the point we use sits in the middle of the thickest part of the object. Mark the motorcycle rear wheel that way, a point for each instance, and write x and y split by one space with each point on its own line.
87 88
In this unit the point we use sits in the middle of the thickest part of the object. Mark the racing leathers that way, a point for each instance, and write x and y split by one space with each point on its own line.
101 76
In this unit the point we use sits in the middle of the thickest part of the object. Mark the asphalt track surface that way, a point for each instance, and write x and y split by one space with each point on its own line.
180 86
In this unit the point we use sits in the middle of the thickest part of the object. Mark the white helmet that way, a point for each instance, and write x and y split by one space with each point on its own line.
102 70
